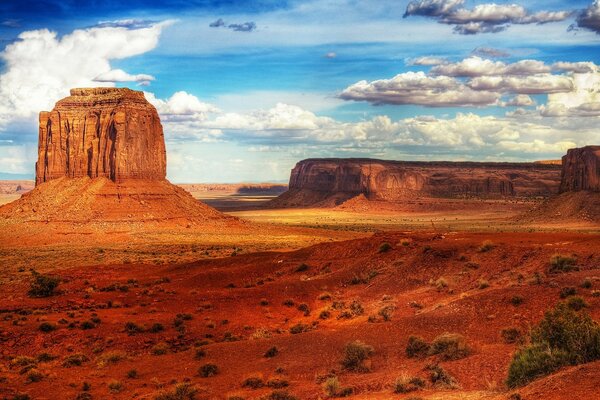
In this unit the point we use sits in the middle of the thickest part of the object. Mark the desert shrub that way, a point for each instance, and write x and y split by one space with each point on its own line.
115 386
253 382
576 303
33 375
23 361
47 327
83 396
208 370
560 263
417 347
586 284
483 284
181 391
355 356
516 300
567 291
441 284
486 246
289 302
439 377
510 335
111 357
85 325
21 396
159 349
324 296
331 386
595 293
280 395
199 354
157 327
449 346
325 314
298 328
407 384
363 278
75 360
304 308
264 302
356 308
386 312
301 268
277 383
132 374
272 352
384 247
563 337
46 357
42 285
132 328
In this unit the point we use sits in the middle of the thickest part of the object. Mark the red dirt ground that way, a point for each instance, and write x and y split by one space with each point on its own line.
234 326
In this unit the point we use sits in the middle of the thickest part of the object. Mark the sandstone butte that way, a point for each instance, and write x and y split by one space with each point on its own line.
319 180
581 170
102 158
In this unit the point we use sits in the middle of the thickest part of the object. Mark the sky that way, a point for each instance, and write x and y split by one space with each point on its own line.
247 89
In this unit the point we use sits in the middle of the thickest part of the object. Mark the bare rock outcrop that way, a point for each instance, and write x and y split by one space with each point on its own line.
581 170
113 133
322 180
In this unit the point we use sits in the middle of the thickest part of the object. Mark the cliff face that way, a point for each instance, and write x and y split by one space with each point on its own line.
581 170
314 180
101 132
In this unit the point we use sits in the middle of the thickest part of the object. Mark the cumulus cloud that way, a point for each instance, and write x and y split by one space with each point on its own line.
41 67
118 75
590 18
476 66
536 84
577 67
582 101
483 18
418 88
426 60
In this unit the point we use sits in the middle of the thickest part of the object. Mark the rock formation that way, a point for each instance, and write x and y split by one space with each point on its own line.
581 170
315 180
101 132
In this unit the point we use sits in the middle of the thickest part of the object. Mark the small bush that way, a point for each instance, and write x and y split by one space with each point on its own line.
331 386
563 337
449 346
325 314
417 347
384 247
516 300
111 357
182 391
157 327
160 349
439 377
208 370
46 357
298 328
33 375
355 356
132 374
272 352
42 285
132 328
324 296
75 360
301 268
407 384
576 303
277 383
199 354
47 327
386 312
510 335
560 263
280 395
567 291
115 386
363 278
85 325
587 283
289 302
486 246
304 308
441 284
253 382
483 284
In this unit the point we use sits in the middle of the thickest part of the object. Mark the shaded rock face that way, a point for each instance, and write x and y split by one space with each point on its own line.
101 132
315 180
581 170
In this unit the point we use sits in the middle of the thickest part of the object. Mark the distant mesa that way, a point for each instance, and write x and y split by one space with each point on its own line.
581 170
335 180
102 158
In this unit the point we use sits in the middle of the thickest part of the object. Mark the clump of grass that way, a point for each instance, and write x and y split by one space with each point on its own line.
160 349
42 285
132 328
407 384
450 346
576 303
272 352
208 370
289 302
363 278
486 246
115 386
560 263
386 312
440 378
356 355
384 247
563 337
253 382
586 284
277 383
332 388
33 375
181 391
325 314
75 360
417 347
111 357
301 268
132 374
280 395
303 307
324 296
567 291
47 327
441 284
483 284
516 300
157 327
298 328
511 335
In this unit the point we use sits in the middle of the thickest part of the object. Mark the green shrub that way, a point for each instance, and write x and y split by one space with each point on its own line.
182 391
42 285
384 247
417 347
355 355
449 346
560 263
208 370
576 303
563 337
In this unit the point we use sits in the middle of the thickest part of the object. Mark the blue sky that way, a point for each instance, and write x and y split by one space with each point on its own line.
272 82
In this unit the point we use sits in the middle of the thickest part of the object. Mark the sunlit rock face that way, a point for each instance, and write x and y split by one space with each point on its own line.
113 133
581 170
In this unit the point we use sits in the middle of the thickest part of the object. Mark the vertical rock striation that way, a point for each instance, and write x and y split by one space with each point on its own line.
581 170
101 132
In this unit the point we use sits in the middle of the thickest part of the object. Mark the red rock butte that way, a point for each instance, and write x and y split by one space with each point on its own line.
581 170
101 132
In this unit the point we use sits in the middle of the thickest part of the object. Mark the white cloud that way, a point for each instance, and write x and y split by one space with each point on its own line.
590 17
535 84
41 67
477 66
118 75
521 100
426 60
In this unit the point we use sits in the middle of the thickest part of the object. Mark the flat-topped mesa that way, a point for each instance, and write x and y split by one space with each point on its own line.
101 132
314 180
581 170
